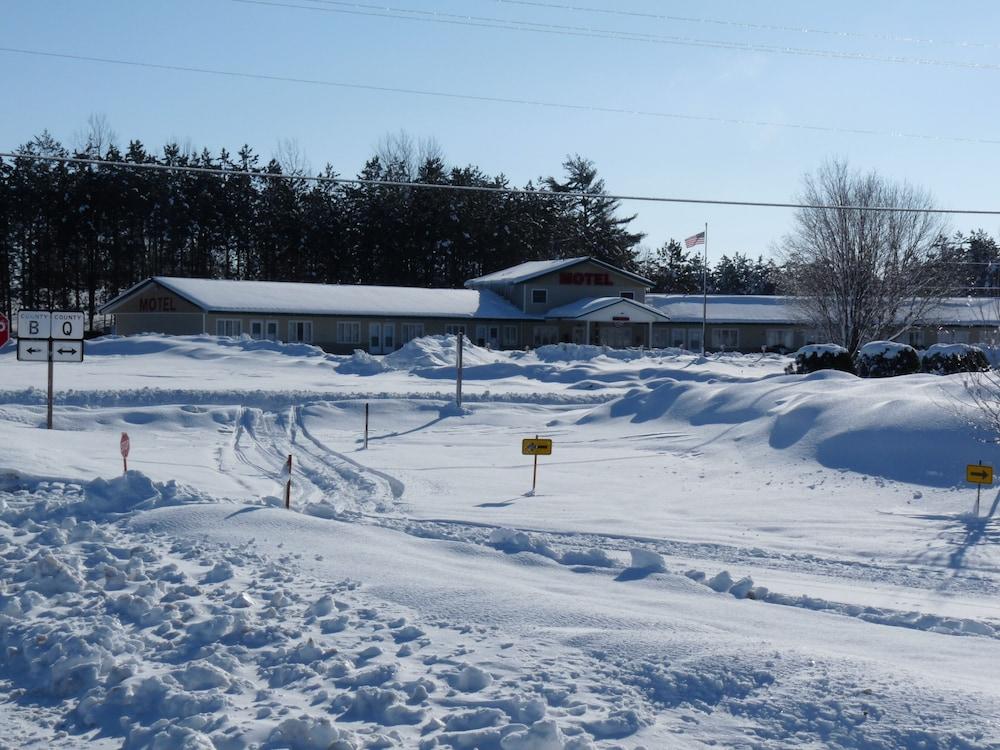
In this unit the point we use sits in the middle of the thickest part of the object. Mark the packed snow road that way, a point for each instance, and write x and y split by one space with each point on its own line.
716 554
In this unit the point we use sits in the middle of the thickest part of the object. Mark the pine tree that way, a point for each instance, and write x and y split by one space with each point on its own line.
592 224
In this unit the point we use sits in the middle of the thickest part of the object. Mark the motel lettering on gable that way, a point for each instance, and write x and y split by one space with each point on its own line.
585 279
157 304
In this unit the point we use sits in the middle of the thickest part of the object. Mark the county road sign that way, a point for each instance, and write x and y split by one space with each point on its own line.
4 330
34 324
67 325
32 350
67 351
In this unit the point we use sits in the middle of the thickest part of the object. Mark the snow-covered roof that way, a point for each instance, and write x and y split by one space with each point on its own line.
278 297
532 269
582 307
731 308
968 311
687 308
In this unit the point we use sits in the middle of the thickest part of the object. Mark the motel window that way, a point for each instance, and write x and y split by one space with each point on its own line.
694 339
627 295
780 338
543 335
952 336
228 327
510 336
348 332
454 330
678 338
271 330
661 337
539 296
410 331
300 331
915 338
257 329
726 338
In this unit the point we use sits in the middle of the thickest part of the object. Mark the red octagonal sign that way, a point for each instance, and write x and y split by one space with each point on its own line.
4 330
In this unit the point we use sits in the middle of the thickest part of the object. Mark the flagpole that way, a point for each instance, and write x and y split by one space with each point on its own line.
704 295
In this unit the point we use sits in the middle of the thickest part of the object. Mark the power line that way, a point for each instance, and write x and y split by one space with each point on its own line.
362 9
748 25
597 109
545 194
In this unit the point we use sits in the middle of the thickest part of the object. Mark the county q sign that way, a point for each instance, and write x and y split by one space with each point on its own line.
67 325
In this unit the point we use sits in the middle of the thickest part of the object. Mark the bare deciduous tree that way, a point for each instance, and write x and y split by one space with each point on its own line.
864 272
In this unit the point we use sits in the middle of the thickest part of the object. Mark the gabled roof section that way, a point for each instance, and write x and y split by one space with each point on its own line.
532 269
108 307
581 308
293 298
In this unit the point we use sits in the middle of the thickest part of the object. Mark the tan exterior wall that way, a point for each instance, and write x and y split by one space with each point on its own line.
173 324
562 289
325 330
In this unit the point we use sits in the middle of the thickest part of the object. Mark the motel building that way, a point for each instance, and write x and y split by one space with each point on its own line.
581 300
575 300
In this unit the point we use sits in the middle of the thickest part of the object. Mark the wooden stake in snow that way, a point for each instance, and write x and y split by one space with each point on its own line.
124 445
366 426
288 482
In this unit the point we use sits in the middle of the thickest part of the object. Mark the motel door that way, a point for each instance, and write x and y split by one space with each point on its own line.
381 338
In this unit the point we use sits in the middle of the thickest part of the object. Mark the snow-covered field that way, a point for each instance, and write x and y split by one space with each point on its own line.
717 554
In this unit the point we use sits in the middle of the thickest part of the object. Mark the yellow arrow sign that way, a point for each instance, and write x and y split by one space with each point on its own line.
536 447
979 474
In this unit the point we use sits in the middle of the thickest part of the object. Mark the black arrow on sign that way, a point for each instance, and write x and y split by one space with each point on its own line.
66 351
981 474
32 351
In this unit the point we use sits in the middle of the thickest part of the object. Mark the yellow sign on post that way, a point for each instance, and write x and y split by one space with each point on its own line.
536 447
979 474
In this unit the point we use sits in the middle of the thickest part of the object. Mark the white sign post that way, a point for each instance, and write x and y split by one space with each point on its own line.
50 336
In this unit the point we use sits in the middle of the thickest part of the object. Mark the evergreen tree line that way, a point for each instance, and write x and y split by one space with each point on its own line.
675 270
73 236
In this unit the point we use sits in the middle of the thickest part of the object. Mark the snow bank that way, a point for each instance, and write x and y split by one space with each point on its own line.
440 351
201 346
915 429
362 363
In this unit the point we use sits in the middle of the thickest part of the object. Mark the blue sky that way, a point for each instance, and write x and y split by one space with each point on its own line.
635 154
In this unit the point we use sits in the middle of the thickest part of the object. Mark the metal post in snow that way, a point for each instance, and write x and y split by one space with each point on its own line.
704 295
979 489
48 419
288 483
534 473
458 372
366 426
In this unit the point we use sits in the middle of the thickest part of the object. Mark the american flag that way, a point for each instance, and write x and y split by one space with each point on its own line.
695 239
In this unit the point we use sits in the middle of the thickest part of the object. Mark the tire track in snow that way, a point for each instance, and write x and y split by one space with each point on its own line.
317 456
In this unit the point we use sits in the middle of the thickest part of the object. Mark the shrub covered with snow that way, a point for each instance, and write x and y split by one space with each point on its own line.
946 359
821 357
886 359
